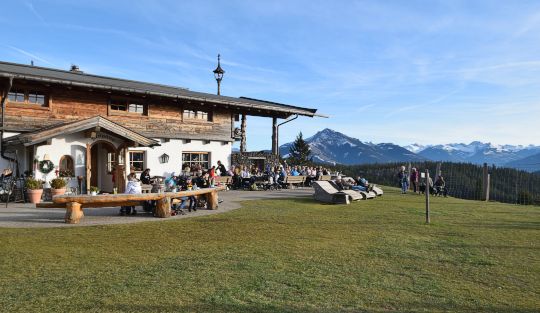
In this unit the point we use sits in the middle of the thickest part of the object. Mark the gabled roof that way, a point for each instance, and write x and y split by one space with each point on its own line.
46 133
73 78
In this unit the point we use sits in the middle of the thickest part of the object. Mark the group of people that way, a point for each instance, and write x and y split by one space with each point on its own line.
420 184
358 184
188 179
245 176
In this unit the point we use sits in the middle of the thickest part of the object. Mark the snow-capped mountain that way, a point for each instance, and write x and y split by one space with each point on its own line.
529 164
329 146
475 152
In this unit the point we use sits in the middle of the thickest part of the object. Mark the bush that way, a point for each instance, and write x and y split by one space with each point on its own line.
94 189
33 184
58 183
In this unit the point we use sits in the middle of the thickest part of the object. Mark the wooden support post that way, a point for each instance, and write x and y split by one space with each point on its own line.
88 167
243 133
74 213
163 208
487 186
275 140
212 200
427 196
485 174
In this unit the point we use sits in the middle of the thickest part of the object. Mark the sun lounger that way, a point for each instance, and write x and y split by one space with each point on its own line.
325 192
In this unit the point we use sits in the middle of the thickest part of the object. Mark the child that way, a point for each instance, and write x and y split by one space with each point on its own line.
133 187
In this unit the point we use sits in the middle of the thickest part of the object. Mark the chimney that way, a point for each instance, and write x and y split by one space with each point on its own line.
75 69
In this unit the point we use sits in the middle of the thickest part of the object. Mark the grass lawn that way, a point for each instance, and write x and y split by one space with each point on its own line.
285 256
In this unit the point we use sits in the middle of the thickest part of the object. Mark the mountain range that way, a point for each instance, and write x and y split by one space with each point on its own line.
329 146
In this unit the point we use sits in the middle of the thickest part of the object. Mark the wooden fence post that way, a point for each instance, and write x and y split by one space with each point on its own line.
428 187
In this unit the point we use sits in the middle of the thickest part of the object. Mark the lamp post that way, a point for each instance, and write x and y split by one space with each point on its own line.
218 74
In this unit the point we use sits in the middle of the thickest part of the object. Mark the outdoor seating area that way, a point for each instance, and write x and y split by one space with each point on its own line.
334 192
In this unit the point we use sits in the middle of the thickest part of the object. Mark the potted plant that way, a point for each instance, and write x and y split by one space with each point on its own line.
94 190
58 186
34 189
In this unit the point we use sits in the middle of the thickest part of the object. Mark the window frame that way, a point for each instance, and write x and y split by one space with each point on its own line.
143 162
122 106
194 115
191 162
68 159
26 94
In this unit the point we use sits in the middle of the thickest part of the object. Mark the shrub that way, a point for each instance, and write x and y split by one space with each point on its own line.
58 183
33 184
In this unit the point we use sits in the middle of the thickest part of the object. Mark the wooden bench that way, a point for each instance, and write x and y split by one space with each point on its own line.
290 181
325 177
75 204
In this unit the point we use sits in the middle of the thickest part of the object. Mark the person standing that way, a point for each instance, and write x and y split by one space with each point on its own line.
222 171
403 180
414 179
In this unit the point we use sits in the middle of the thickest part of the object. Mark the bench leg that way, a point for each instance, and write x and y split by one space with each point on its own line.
74 213
163 208
212 200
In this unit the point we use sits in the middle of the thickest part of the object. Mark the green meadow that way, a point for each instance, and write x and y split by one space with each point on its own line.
289 255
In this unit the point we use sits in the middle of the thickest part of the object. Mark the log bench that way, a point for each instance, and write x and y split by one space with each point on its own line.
75 204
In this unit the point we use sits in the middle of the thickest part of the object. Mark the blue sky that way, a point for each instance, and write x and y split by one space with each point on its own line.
385 71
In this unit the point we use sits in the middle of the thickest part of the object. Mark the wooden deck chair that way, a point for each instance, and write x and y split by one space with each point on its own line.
326 193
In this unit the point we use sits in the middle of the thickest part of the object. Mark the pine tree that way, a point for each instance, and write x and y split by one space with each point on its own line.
299 152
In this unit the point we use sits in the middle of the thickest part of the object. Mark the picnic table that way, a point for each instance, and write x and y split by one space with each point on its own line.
75 203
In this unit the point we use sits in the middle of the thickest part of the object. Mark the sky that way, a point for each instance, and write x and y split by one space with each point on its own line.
427 72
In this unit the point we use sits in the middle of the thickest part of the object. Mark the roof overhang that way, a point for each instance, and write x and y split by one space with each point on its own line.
76 79
44 134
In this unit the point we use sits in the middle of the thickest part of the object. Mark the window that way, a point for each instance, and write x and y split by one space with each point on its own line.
189 114
136 161
31 97
16 96
197 115
65 168
193 158
111 161
35 97
136 108
117 105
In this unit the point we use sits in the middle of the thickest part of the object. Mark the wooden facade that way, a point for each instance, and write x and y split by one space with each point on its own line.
163 118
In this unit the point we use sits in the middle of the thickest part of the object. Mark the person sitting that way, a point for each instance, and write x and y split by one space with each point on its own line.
133 187
440 187
361 184
145 177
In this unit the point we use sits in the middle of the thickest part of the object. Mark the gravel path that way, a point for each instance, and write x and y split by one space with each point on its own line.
21 215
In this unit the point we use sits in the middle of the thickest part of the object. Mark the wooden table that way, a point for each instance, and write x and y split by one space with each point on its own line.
75 204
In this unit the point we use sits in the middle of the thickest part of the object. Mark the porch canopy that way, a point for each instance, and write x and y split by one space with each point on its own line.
96 129
93 123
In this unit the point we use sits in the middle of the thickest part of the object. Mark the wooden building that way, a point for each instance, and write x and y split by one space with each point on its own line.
102 128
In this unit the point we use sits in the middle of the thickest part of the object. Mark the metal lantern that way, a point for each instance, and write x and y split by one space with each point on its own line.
164 158
218 74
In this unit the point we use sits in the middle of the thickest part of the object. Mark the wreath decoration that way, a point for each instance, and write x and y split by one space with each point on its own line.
46 166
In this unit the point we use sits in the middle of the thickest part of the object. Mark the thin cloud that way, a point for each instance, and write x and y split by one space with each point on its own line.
28 54
30 7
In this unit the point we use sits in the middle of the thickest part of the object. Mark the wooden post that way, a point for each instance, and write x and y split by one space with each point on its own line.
427 197
212 200
275 140
163 208
74 213
88 167
487 186
485 174
243 132
437 171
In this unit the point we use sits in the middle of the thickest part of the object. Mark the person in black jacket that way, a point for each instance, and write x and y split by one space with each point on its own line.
145 177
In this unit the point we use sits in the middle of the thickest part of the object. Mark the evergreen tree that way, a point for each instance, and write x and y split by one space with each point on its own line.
299 152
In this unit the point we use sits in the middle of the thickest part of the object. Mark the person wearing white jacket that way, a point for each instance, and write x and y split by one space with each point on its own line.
133 187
